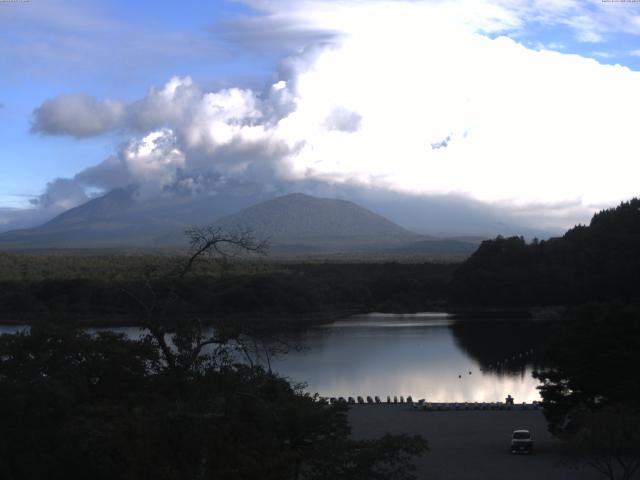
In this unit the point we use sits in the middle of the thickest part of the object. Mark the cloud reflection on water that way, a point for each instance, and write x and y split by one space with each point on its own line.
416 355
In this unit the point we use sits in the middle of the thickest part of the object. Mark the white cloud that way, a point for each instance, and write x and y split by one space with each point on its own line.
601 54
61 194
410 96
166 105
153 161
589 20
77 115
524 125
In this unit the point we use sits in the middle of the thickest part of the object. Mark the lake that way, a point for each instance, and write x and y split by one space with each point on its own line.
425 355
432 356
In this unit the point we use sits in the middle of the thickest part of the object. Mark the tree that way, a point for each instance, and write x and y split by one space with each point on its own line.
591 389
176 404
609 441
181 343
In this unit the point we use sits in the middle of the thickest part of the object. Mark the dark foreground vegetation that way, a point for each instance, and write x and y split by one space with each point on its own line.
591 387
116 408
176 404
74 405
98 288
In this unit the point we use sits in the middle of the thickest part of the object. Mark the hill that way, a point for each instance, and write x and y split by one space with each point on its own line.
119 220
295 224
598 262
297 220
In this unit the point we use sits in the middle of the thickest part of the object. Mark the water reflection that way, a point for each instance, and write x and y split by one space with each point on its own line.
430 356
505 347
12 329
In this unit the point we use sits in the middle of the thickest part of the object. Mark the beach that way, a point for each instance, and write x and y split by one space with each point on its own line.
471 445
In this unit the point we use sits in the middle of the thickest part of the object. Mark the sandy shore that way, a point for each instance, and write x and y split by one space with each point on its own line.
466 445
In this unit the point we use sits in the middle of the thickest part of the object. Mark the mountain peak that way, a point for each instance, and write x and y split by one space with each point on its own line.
113 202
301 218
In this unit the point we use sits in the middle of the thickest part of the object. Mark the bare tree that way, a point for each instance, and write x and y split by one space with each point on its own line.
188 339
214 241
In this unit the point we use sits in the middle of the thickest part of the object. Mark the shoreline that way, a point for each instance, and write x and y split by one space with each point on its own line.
291 319
271 319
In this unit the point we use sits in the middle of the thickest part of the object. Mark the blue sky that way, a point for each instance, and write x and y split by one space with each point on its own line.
81 59
119 50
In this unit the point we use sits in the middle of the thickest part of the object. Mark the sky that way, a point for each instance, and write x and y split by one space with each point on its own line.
522 106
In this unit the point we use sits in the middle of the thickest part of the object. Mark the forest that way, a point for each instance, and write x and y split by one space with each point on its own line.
598 262
95 289
76 403
177 403
590 263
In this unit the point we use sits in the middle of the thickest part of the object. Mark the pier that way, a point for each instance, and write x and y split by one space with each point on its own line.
424 405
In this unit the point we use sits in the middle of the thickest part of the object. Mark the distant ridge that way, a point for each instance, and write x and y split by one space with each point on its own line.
302 219
118 220
294 224
114 202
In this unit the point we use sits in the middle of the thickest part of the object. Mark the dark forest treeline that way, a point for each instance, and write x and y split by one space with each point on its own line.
589 383
594 263
245 289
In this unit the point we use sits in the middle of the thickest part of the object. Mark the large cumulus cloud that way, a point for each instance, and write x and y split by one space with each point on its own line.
403 99
179 130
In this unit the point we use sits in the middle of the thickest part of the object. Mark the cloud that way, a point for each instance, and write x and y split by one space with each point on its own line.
343 120
589 21
77 115
153 161
525 130
188 131
61 194
163 106
275 32
97 42
600 54
111 173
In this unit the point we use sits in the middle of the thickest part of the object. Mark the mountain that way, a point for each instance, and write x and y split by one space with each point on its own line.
294 224
113 203
119 219
297 219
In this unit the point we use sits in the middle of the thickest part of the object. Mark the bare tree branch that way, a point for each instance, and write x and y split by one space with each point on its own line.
212 241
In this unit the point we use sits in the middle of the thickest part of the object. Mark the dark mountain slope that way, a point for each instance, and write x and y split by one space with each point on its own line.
118 219
599 262
113 203
295 224
298 219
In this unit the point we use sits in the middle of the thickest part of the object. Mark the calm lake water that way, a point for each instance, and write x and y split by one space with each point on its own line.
427 355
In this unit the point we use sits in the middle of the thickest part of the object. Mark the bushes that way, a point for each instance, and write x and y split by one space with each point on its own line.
102 407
